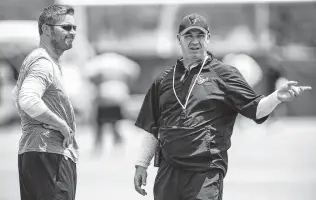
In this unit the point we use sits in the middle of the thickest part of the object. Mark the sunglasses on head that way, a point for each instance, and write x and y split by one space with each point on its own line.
66 27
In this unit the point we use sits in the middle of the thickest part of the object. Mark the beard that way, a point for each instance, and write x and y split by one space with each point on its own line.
55 44
60 45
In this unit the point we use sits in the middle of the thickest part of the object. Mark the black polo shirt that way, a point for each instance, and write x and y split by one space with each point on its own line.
199 138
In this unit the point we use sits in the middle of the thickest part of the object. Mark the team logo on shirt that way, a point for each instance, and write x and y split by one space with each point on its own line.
201 79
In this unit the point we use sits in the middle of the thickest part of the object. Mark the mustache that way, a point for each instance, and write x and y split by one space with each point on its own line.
70 37
195 45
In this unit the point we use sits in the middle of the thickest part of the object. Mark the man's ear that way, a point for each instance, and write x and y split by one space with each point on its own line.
208 37
46 29
179 38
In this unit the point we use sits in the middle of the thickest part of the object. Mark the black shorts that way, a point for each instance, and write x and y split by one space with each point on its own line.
176 184
109 114
46 176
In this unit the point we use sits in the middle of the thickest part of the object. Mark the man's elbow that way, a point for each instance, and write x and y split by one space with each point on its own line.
30 106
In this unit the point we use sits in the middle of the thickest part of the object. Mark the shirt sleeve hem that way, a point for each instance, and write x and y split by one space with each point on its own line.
262 119
146 129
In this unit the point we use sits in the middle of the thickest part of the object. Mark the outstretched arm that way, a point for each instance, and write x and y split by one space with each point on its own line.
287 92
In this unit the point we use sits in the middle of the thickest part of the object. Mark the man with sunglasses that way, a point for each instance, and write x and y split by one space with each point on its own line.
48 148
189 113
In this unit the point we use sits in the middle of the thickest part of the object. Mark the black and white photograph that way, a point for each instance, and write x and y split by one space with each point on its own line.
157 99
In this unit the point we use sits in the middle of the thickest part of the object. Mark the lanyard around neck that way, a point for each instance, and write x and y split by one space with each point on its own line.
188 95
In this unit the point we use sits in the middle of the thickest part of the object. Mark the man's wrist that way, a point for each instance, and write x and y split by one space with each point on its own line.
141 166
275 96
60 123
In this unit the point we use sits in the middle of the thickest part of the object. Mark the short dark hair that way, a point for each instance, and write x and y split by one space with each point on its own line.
52 13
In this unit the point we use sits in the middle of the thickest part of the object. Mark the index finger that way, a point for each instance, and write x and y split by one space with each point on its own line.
138 185
47 126
306 88
137 182
65 143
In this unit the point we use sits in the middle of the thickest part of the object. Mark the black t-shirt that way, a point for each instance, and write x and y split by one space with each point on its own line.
199 137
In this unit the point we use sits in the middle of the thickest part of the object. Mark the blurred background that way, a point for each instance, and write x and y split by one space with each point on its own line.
123 45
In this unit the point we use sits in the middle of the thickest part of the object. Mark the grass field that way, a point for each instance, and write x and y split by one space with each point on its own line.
275 161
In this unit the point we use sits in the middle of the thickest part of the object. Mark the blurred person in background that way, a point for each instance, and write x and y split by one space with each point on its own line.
189 113
80 91
111 95
246 65
48 149
112 75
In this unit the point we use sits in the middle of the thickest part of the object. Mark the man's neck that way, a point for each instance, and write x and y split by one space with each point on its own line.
53 53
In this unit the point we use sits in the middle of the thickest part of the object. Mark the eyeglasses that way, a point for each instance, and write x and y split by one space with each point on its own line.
190 36
66 27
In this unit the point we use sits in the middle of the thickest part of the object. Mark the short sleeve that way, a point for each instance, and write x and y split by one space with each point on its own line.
149 113
243 97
